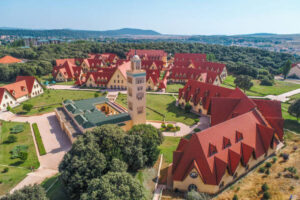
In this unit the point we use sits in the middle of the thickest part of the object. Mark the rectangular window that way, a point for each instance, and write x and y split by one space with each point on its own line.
140 80
130 92
140 88
129 79
140 95
130 105
140 110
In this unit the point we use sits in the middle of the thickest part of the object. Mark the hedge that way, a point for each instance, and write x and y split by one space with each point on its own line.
38 139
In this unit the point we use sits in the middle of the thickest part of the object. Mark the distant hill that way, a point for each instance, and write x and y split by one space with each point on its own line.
69 33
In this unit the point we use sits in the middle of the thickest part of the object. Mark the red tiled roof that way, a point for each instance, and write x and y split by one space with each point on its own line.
189 57
17 89
29 81
198 91
9 59
147 54
100 77
205 66
67 69
146 64
2 91
256 138
153 74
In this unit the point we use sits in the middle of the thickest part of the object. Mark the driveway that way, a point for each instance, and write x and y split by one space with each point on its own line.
55 141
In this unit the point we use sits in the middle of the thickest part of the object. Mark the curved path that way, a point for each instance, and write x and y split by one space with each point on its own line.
55 141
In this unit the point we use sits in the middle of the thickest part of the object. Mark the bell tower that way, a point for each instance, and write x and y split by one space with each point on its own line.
136 91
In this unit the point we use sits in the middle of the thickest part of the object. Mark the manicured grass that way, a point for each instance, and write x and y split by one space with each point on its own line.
66 83
290 122
17 168
279 87
38 139
294 97
174 87
57 191
52 99
168 146
49 78
164 104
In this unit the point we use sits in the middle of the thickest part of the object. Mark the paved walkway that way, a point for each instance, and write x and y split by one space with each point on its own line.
184 129
282 97
55 141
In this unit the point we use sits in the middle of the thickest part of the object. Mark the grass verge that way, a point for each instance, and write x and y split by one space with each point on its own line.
38 139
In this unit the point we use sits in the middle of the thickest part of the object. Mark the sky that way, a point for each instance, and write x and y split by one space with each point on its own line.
181 17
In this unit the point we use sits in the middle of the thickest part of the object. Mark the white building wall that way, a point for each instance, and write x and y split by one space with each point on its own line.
37 89
7 100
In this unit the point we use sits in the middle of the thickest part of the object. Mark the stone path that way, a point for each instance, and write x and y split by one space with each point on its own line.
184 129
55 141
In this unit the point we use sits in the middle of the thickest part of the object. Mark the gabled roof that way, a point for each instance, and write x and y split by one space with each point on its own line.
256 139
205 66
146 64
2 92
17 89
150 54
67 69
9 60
29 81
153 74
189 57
197 91
124 67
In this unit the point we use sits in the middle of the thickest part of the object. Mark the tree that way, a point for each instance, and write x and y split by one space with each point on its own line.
32 192
286 68
151 139
27 107
96 94
294 108
11 139
265 187
8 108
81 164
114 186
194 195
235 197
23 155
117 165
243 82
187 107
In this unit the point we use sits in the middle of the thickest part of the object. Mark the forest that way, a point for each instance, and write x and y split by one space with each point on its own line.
239 60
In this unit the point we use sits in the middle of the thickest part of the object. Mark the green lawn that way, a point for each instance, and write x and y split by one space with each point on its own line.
290 122
296 96
17 168
168 146
165 104
52 99
259 90
57 191
49 78
174 87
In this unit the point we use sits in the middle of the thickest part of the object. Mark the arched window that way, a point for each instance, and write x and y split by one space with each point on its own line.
192 187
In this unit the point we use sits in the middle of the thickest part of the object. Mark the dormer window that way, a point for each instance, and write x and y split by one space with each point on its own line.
193 174
226 142
238 136
212 149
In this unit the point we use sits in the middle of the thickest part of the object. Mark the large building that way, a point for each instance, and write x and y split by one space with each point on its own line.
193 66
294 71
22 89
243 133
77 117
148 54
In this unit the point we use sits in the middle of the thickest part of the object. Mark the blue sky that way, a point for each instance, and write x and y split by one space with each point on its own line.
202 17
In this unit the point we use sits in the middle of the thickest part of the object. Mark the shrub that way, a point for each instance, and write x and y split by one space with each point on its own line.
17 128
96 94
170 126
38 139
292 187
267 82
266 195
296 177
197 130
8 108
105 93
274 160
27 107
11 139
262 170
177 128
5 170
268 164
23 155
264 187
163 125
267 172
197 120
293 170
285 156
235 197
187 107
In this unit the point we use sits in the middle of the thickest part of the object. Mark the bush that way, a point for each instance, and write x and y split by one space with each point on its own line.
196 120
11 139
285 156
235 197
262 170
274 160
197 130
194 195
187 107
32 192
5 170
266 195
27 107
170 126
23 155
38 139
177 128
8 108
267 172
17 129
268 164
163 125
264 187
267 82
96 94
